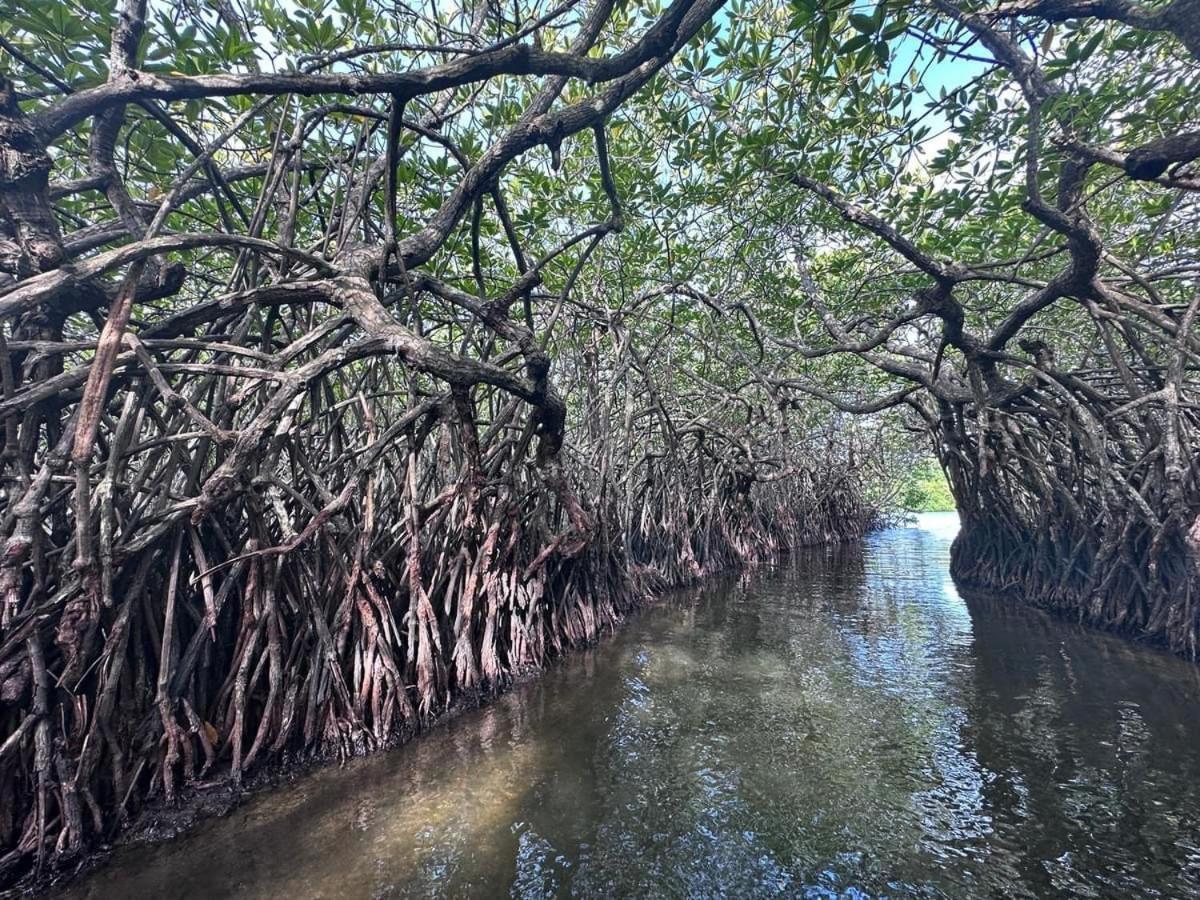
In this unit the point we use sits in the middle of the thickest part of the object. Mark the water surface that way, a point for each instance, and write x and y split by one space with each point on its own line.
843 726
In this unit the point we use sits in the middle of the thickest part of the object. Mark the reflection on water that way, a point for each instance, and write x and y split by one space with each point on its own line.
846 726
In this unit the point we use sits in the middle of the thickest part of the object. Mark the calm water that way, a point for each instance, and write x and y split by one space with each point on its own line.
846 726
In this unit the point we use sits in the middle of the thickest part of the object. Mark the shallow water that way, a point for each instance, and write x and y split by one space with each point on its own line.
844 726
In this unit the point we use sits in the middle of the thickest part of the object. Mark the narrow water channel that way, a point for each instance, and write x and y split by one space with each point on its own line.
843 726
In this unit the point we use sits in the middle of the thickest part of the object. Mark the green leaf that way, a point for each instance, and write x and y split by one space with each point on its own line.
854 44
865 24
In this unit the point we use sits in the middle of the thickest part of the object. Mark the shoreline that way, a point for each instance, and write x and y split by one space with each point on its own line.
159 823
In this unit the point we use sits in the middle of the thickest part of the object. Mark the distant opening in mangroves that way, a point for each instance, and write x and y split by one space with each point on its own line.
844 725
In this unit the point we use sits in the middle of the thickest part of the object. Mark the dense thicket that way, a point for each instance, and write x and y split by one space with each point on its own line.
326 402
989 216
359 355
1056 341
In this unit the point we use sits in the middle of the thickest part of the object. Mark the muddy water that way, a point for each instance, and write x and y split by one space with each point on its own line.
843 726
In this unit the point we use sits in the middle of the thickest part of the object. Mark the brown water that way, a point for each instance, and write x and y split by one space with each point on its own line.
845 726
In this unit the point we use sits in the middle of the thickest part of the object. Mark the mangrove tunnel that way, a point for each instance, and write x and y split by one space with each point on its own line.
359 358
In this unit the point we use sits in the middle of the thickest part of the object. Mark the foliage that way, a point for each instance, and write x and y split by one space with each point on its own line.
926 489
